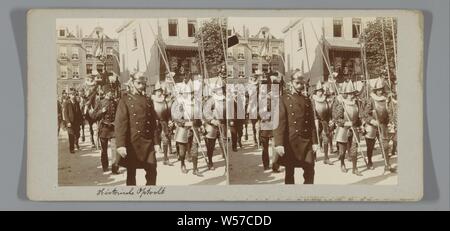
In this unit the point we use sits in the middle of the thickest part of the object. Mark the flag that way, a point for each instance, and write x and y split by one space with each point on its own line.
264 51
100 49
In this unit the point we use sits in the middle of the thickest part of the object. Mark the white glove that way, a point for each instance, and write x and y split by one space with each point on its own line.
279 150
122 151
315 147
69 125
104 109
348 124
374 123
157 148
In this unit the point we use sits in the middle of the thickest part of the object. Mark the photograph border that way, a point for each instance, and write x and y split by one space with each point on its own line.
42 180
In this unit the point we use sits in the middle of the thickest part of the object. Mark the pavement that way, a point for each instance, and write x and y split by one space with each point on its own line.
246 168
83 168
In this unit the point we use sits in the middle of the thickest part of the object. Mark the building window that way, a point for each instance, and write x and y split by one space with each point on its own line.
88 52
88 69
63 52
300 39
75 53
275 52
62 33
230 71
109 52
265 68
76 72
275 67
356 27
254 51
99 68
229 32
135 43
337 27
241 53
173 27
191 28
109 67
254 68
230 53
63 72
241 70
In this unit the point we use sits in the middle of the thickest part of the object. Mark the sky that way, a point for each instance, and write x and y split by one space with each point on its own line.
88 25
275 24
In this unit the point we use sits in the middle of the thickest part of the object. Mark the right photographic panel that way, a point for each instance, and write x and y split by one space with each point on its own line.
320 99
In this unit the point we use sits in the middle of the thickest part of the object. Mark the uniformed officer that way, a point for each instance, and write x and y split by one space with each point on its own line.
162 110
295 139
135 127
347 119
376 118
322 110
188 129
105 113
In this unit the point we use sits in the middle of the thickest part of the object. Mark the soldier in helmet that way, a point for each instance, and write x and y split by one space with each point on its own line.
252 108
346 116
188 128
376 119
235 123
162 111
215 121
105 112
135 128
322 110
295 137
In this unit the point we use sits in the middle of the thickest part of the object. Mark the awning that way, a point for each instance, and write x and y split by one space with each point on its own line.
343 44
181 45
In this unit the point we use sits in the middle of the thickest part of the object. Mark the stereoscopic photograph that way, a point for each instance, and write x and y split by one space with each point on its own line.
225 105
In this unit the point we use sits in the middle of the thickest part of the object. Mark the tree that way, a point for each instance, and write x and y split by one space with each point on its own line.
372 39
210 38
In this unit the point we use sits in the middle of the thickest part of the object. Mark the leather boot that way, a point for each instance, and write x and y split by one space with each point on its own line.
195 169
355 168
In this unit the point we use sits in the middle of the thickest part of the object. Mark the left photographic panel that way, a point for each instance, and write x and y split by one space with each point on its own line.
130 94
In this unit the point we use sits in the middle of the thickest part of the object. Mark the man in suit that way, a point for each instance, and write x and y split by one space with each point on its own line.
72 119
135 128
295 139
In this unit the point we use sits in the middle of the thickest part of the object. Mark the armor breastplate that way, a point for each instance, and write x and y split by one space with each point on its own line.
322 109
381 110
220 110
351 111
161 109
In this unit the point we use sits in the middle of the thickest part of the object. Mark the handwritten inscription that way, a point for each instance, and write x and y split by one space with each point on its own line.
133 191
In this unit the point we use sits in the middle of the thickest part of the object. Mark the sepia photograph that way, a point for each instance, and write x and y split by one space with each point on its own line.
339 125
225 105
117 80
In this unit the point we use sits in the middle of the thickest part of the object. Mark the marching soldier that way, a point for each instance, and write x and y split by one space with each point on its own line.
376 118
295 139
162 111
188 129
265 135
215 122
105 113
346 117
135 127
392 108
235 123
252 108
322 110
